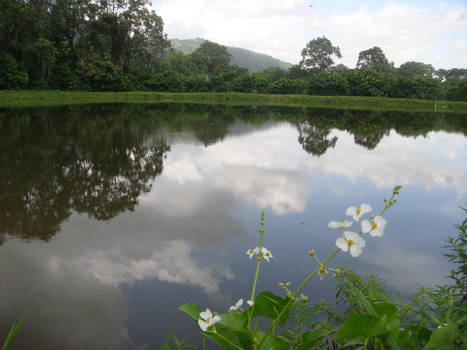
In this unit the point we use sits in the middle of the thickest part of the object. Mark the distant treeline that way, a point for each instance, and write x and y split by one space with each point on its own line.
119 45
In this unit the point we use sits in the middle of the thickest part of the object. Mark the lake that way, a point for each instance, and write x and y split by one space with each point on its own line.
112 216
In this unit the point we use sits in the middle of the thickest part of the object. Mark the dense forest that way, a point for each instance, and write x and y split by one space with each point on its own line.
120 45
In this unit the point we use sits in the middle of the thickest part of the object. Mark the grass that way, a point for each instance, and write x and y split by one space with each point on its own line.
32 98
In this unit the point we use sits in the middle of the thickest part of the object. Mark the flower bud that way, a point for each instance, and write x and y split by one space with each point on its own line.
311 253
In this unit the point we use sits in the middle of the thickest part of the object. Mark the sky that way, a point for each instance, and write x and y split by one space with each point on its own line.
427 31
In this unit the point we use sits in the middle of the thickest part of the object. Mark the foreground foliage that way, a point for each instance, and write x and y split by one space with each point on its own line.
366 316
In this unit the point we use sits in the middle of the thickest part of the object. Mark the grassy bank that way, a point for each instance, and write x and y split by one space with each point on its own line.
11 98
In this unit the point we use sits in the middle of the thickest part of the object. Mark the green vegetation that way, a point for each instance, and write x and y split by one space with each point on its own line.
368 317
120 45
19 98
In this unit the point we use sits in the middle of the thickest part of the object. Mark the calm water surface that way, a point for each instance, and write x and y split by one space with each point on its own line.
112 216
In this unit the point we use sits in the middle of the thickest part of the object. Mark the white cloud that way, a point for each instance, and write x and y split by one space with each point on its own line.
282 28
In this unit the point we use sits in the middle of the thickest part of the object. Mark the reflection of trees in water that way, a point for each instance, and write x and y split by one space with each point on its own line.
97 165
99 159
368 127
315 140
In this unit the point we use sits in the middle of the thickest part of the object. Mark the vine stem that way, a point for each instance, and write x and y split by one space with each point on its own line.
260 258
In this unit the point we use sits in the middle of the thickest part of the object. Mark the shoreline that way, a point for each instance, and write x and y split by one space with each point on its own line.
37 98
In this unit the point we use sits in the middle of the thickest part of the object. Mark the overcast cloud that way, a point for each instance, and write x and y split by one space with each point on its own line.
433 32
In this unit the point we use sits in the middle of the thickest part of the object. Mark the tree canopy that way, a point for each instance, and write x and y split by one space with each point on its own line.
374 58
318 53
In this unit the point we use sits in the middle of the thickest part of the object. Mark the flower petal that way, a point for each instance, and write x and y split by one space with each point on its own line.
351 211
205 314
355 250
203 325
342 244
381 224
366 226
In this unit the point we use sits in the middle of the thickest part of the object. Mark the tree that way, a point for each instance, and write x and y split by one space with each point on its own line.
211 57
318 53
412 69
450 74
374 58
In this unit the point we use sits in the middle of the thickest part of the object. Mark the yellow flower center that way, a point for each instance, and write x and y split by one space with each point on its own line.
358 211
322 270
350 242
374 225
267 254
208 319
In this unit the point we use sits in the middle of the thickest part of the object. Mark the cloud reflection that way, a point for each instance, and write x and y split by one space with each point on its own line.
173 263
259 170
406 268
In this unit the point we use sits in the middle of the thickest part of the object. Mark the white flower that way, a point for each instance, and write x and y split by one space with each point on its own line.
236 305
207 320
252 252
266 254
376 227
340 224
351 241
356 213
250 302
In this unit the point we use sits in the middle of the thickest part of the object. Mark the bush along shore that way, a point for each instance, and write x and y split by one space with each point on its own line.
373 318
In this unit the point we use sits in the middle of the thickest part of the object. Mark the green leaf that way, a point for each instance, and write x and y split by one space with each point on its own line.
388 313
270 305
442 338
235 320
244 338
312 337
423 333
191 309
223 337
357 325
354 341
406 340
14 331
272 342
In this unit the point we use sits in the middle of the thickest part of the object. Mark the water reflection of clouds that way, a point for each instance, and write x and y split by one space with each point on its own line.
260 169
172 263
397 160
405 267
62 307
269 169
73 281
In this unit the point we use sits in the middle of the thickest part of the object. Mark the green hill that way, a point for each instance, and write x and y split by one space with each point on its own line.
253 61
